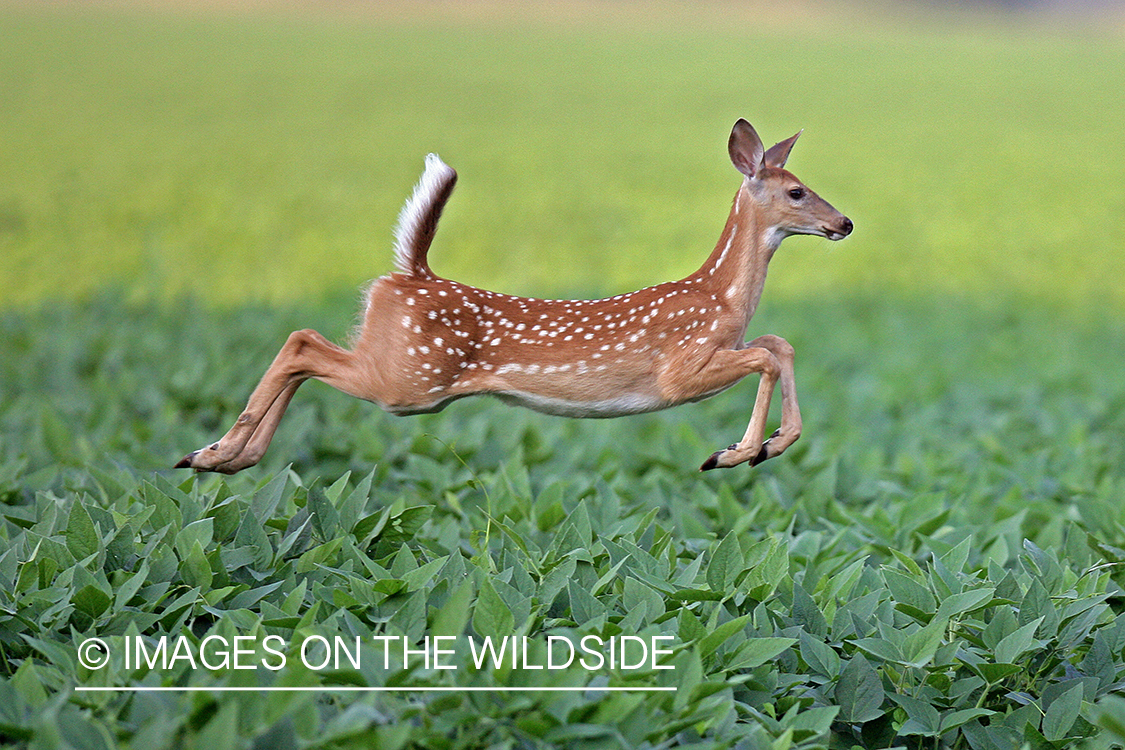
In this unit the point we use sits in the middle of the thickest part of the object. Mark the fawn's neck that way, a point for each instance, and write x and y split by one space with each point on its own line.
735 272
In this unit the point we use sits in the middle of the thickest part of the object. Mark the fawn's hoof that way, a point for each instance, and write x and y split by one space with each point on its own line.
724 458
713 461
185 462
765 452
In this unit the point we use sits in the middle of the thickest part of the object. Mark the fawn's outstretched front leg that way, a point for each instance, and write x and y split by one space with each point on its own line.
306 354
777 366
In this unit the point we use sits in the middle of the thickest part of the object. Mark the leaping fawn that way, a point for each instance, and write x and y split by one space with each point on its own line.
425 341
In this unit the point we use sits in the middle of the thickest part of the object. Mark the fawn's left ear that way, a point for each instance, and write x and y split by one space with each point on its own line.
778 154
745 147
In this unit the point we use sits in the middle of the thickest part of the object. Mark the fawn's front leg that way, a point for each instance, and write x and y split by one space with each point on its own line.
772 357
790 428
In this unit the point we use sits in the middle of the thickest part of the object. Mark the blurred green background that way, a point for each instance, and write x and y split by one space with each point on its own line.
262 154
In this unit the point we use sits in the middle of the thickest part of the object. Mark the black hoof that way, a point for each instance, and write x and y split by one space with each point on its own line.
185 462
763 454
713 461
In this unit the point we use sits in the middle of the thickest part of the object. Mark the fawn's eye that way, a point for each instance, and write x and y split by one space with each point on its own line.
797 193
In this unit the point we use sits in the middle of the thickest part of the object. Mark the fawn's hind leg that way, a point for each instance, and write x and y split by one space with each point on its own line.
306 354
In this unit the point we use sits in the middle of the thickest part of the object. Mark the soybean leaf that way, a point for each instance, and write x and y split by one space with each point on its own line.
91 600
491 616
859 692
81 537
921 717
955 719
195 568
451 618
807 614
909 592
821 657
919 647
965 601
1061 714
1009 649
266 500
726 564
757 651
711 642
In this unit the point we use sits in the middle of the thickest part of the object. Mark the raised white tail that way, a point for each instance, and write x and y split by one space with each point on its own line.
425 341
418 219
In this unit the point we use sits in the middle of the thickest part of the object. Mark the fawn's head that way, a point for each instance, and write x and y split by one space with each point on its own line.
787 204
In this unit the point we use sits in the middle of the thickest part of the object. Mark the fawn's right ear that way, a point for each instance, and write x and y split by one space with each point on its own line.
745 147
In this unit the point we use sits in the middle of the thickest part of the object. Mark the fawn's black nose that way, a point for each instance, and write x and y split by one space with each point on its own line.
846 226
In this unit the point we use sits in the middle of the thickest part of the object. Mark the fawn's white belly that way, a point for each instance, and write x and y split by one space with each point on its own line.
618 406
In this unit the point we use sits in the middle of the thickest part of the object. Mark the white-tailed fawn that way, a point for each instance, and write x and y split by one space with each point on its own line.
425 341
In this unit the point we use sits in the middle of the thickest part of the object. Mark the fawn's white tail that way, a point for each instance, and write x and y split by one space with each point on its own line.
418 220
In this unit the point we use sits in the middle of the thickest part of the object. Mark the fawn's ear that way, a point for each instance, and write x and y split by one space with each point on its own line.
745 147
777 154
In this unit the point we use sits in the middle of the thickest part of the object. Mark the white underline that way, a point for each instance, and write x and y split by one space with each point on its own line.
357 689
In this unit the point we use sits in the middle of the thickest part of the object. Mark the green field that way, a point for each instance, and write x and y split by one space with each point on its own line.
938 563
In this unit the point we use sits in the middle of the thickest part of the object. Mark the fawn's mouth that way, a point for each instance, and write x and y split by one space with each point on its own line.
841 232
